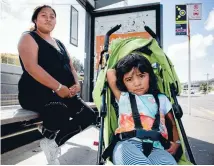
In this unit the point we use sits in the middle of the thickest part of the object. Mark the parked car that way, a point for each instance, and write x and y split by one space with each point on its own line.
192 91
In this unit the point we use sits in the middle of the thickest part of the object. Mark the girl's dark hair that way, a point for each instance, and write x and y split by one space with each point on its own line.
36 12
130 61
126 64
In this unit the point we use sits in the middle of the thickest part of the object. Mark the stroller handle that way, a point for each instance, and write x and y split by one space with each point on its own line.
152 33
106 41
108 34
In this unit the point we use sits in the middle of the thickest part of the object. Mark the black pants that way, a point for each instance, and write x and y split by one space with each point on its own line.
66 117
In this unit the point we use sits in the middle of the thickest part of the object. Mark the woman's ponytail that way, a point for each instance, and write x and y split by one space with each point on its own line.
33 27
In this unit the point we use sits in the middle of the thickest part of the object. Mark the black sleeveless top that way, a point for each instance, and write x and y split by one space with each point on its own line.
53 61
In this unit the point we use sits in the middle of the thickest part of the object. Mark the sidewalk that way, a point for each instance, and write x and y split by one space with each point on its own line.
197 94
80 148
201 138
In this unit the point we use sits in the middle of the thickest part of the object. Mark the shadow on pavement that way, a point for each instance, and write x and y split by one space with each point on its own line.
79 155
187 96
203 151
205 118
20 154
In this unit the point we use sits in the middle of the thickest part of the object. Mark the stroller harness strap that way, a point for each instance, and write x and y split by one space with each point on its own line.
135 113
139 132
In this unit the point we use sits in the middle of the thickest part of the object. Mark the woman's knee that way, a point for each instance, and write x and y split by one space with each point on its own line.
87 114
82 110
54 115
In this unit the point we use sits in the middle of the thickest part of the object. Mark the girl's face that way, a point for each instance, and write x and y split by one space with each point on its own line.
46 20
136 82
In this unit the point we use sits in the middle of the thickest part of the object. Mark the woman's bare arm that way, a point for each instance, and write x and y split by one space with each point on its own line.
74 72
75 88
28 51
111 78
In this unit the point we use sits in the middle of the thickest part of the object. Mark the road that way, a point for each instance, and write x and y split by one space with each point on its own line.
199 126
80 150
201 105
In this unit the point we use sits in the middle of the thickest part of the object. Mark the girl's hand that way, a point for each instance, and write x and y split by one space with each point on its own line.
173 148
111 75
111 72
112 79
63 92
74 89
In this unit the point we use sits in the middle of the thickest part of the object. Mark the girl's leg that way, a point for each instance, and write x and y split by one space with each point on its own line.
129 152
161 157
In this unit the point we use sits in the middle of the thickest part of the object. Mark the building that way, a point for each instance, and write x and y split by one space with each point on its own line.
195 87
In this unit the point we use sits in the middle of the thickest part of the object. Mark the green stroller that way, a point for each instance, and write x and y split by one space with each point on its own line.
168 83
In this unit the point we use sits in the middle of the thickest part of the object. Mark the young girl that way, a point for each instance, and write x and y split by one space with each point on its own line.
134 74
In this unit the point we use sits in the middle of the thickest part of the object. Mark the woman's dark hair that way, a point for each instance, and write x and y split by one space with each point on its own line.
36 12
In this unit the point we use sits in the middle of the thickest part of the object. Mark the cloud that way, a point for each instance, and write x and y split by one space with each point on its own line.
178 53
199 44
209 24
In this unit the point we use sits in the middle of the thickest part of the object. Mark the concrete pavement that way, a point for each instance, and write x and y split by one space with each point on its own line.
201 138
199 126
78 150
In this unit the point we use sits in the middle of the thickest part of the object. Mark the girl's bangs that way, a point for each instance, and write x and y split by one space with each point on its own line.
143 68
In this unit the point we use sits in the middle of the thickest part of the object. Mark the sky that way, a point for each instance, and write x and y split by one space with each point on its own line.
202 41
16 20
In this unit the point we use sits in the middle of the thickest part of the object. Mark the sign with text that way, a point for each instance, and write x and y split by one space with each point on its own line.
180 20
132 26
195 11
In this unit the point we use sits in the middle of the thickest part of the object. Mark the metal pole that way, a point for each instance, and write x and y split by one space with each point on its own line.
207 83
1 11
189 70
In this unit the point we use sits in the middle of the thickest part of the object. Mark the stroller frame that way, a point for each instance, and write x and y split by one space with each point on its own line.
177 110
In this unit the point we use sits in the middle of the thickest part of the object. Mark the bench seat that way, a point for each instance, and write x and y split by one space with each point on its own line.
13 114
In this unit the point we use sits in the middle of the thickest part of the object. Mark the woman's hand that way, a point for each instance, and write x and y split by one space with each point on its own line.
74 89
173 148
64 92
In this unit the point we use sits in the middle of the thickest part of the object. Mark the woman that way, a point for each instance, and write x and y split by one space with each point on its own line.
49 84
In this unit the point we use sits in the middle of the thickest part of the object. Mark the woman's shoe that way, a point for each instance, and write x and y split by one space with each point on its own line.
51 150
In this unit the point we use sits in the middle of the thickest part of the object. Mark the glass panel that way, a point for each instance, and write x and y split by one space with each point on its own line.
74 26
